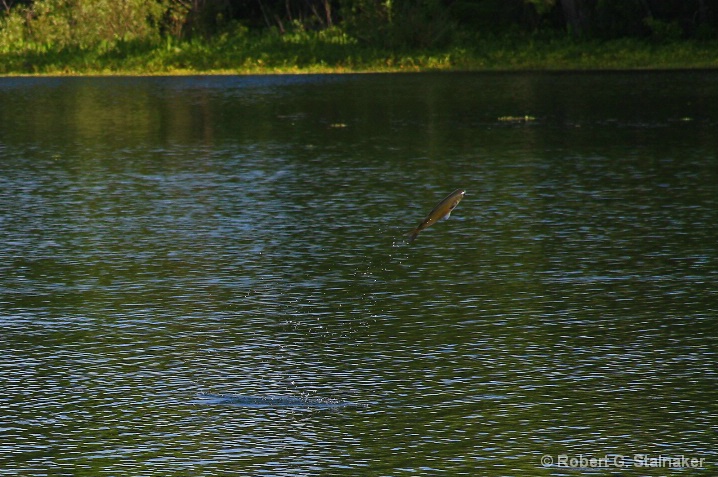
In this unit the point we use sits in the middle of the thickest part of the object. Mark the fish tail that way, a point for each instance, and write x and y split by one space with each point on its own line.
412 235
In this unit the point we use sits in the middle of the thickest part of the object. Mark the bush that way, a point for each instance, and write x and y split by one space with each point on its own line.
58 24
663 31
12 32
398 23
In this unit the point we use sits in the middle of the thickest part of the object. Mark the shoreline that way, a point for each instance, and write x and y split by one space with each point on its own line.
209 73
309 56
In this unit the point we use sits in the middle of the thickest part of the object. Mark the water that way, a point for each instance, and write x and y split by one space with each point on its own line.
207 276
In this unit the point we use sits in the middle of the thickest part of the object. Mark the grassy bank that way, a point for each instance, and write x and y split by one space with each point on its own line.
332 51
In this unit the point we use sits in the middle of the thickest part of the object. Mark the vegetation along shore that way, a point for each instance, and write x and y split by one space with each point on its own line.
92 37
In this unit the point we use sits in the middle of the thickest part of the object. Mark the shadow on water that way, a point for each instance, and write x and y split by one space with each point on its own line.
273 401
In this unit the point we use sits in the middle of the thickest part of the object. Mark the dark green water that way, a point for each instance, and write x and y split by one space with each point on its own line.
164 240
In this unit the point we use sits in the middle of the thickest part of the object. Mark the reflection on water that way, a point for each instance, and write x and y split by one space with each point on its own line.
167 245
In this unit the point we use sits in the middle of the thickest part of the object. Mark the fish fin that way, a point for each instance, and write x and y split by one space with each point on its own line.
446 217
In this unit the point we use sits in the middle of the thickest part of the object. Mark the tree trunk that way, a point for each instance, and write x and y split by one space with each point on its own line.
576 13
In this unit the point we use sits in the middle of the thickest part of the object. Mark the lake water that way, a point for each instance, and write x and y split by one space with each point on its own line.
208 275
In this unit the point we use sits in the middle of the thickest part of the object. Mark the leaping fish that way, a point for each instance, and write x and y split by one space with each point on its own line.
441 211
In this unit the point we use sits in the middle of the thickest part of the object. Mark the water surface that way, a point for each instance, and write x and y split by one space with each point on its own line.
163 240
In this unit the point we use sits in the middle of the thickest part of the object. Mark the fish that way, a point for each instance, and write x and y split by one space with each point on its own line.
442 211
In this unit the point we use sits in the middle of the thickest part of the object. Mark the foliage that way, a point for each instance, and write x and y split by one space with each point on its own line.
57 24
245 51
156 36
398 23
662 30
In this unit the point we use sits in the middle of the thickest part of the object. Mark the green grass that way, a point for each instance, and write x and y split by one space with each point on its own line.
333 51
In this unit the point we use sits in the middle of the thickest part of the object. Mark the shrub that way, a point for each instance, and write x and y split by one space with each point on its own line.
57 24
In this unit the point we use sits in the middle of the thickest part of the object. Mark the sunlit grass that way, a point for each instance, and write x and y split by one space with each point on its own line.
328 51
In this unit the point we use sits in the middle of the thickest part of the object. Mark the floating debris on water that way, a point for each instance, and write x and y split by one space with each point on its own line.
517 119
